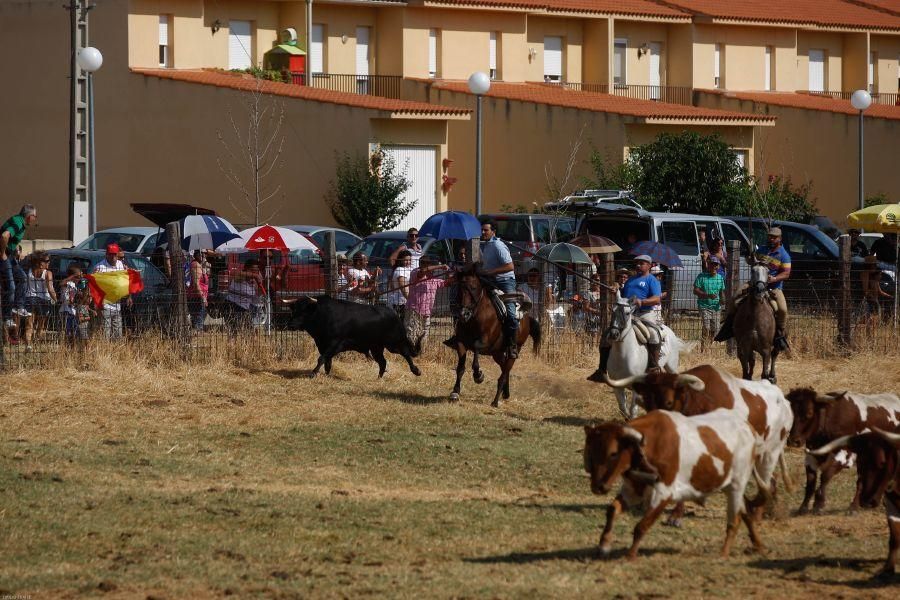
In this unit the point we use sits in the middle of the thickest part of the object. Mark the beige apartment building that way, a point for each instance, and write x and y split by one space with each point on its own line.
567 73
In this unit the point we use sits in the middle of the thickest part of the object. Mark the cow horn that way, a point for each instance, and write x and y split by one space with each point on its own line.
891 438
832 446
826 399
633 434
623 383
692 381
643 476
311 299
289 300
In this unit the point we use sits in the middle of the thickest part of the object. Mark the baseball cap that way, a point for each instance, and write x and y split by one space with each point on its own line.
643 257
775 231
714 260
112 248
655 269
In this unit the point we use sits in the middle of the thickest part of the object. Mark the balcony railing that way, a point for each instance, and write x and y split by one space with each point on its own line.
386 86
886 98
660 93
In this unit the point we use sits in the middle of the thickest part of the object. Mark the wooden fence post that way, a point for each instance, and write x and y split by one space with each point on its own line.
331 267
178 326
733 282
473 251
844 309
608 278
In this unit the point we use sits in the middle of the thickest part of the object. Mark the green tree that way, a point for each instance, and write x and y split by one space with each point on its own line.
876 199
366 195
781 200
606 174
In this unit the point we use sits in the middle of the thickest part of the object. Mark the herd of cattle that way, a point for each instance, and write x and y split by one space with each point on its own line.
705 431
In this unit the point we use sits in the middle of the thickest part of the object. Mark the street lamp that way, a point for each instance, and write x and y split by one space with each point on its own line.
861 100
479 84
90 59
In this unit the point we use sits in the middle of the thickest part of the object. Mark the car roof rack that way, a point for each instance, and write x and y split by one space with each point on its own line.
587 200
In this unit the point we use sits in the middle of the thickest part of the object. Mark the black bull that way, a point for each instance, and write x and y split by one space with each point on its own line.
339 326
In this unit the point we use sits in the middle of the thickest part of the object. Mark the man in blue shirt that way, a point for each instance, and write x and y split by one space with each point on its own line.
644 289
497 264
779 262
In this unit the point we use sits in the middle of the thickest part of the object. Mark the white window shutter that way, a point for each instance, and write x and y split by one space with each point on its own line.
432 52
872 61
362 50
240 45
553 57
619 68
316 47
816 70
163 30
767 77
492 58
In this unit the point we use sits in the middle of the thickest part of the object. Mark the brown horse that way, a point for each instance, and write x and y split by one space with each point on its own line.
754 327
480 331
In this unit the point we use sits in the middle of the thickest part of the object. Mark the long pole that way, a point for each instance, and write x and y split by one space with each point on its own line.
861 198
478 154
92 196
73 83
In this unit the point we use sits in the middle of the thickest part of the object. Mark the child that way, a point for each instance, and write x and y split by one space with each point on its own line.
84 310
68 302
709 287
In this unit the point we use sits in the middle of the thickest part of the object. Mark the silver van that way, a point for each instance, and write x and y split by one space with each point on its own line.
678 231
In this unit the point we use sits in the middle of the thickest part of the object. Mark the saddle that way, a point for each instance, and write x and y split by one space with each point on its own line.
498 299
769 299
642 331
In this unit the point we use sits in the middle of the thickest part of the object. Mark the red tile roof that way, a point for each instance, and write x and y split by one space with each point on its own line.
648 8
811 102
891 6
239 82
826 13
555 95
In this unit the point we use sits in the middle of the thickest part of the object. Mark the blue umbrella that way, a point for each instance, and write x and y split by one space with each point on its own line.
451 225
658 253
205 232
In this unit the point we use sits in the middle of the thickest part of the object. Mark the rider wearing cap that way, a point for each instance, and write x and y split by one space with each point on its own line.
779 262
644 289
497 264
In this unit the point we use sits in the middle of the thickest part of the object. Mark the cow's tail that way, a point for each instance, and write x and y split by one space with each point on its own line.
763 486
786 477
534 330
415 348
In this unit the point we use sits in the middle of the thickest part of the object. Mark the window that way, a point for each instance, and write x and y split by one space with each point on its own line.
165 54
493 53
362 60
873 72
541 229
731 233
438 251
801 245
619 70
770 69
240 45
433 52
565 229
740 157
681 236
816 70
717 66
317 49
553 59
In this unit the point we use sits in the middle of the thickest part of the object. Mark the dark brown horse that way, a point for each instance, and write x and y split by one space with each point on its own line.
480 331
754 327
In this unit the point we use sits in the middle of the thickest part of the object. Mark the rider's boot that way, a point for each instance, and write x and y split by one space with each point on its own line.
726 332
780 342
653 358
510 331
597 375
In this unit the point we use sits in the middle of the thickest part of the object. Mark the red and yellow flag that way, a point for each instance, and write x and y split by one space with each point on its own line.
112 286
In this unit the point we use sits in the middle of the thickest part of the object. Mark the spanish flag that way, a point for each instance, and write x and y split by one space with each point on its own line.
112 286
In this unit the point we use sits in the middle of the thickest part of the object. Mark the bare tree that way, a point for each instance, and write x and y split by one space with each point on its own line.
254 153
558 187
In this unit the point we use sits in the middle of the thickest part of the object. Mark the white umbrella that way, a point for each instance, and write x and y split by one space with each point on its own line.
268 237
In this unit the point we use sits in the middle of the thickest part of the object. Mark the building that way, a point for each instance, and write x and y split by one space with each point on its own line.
569 75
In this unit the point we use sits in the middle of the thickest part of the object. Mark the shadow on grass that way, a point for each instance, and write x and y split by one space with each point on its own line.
790 566
407 398
286 373
590 553
569 420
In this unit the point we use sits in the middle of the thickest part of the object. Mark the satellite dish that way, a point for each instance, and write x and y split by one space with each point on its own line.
288 35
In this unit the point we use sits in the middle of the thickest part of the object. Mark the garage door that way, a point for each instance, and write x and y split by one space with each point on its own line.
239 45
418 164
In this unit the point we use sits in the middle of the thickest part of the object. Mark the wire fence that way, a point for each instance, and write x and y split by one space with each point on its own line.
244 316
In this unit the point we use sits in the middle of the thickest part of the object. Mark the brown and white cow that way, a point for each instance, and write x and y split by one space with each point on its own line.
820 419
666 457
706 388
878 471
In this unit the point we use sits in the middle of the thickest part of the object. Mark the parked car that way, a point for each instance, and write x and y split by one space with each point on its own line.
526 233
130 239
343 239
826 226
815 259
679 231
151 306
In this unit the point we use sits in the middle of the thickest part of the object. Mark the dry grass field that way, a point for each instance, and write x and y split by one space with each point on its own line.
125 477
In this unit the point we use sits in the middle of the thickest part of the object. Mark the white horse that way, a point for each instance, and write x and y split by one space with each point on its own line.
629 357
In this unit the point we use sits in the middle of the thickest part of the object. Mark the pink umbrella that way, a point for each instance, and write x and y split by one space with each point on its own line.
267 237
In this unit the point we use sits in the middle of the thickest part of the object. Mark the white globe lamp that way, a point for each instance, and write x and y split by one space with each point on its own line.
89 59
479 83
861 100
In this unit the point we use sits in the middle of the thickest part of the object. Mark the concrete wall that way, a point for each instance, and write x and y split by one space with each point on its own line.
597 51
637 66
820 148
572 37
742 66
832 43
888 50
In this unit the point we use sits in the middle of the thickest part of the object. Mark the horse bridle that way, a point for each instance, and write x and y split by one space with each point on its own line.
467 312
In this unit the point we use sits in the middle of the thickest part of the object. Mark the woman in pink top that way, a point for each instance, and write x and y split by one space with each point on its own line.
198 290
419 303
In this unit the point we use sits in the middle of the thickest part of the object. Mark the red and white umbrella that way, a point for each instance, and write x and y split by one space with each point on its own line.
268 237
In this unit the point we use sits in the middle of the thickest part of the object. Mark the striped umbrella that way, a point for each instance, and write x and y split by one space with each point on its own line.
205 232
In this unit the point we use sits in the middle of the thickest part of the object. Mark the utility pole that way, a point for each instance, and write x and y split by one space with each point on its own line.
79 133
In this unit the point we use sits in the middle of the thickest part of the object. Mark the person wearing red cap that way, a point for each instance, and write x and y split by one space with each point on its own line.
111 314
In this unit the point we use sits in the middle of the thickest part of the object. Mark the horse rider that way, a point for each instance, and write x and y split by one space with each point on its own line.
497 266
779 263
645 290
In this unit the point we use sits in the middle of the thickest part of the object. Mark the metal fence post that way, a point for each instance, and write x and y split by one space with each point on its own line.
178 327
733 282
331 268
844 309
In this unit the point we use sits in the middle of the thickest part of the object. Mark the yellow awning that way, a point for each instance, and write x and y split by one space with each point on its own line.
881 218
